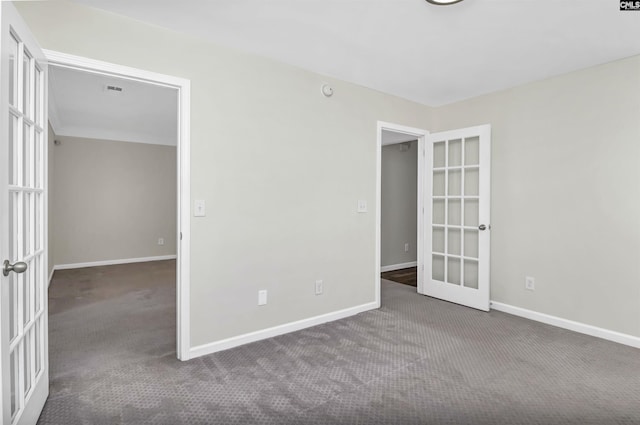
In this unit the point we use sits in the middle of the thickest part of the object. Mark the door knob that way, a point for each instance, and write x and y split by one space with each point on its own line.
18 267
483 227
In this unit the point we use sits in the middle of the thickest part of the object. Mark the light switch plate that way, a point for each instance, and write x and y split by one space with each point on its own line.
362 206
199 208
529 283
262 297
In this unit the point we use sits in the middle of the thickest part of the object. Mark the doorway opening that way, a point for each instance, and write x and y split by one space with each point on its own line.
400 205
142 186
399 197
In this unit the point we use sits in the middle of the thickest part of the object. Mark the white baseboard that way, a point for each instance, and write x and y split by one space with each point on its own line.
236 341
582 328
393 267
112 262
53 270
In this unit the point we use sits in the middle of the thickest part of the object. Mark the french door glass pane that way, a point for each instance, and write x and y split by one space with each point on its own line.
454 213
439 154
13 71
455 181
37 231
438 211
471 212
32 222
472 151
26 228
27 285
27 362
26 150
13 225
37 151
36 101
11 142
13 134
455 153
38 345
14 382
471 274
453 270
453 242
439 178
471 243
37 270
437 267
471 182
13 302
438 239
26 87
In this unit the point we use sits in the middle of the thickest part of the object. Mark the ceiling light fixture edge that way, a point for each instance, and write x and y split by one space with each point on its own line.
443 2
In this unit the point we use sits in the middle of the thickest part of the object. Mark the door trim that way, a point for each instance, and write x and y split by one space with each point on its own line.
183 173
421 136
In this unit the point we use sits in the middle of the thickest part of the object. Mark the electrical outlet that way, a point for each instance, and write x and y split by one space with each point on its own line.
362 206
529 283
319 287
262 297
160 241
406 247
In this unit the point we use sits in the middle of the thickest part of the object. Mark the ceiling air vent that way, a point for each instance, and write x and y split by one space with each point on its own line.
113 89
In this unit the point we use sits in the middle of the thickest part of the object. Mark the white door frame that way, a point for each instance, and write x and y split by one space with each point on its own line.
183 236
420 135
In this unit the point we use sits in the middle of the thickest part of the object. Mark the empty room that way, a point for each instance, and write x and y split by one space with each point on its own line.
112 183
259 299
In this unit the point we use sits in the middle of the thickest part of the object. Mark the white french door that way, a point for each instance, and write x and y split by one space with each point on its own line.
457 234
23 257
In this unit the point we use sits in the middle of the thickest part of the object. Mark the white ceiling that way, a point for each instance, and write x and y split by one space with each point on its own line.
80 106
430 54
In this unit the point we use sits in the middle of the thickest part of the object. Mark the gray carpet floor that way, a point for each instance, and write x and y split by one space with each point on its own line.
416 360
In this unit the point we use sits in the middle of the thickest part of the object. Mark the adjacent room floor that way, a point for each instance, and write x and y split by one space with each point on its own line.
414 361
408 276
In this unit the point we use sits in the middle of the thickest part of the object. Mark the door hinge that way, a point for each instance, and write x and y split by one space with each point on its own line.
180 235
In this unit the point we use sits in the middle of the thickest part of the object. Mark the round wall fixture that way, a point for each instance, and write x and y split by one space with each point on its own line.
443 2
326 90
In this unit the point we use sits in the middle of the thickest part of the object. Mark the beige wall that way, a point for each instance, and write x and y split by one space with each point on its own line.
51 185
399 206
565 193
280 166
112 200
